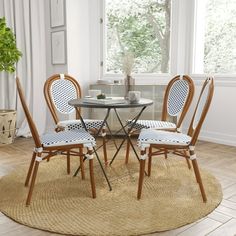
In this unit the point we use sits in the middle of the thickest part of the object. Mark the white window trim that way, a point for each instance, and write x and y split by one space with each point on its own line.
175 43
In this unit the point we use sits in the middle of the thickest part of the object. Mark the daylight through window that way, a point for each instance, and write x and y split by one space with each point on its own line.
140 28
215 41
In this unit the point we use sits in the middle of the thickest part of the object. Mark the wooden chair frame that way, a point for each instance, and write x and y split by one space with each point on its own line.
184 151
53 110
40 150
165 114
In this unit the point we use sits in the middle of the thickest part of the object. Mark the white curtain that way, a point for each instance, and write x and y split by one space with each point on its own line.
26 18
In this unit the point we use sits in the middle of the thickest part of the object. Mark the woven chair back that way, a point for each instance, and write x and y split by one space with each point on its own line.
178 97
58 90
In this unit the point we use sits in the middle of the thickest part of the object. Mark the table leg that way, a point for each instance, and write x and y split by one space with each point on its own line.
94 150
127 137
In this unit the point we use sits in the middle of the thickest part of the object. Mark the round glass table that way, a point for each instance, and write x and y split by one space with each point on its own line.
121 104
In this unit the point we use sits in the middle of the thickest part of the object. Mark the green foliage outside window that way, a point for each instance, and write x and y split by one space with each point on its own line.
220 37
140 27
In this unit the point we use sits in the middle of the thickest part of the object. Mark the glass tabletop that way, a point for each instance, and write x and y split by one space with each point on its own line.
126 104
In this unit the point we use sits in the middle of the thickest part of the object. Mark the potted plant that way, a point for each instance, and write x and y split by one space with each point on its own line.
9 56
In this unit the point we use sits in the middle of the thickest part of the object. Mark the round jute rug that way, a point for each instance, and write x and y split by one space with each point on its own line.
63 204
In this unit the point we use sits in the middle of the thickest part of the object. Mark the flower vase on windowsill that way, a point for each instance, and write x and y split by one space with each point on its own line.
127 66
129 85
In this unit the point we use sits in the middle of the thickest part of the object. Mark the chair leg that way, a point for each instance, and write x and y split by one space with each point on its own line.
68 162
104 146
165 153
36 166
199 179
81 163
149 161
195 171
30 169
187 160
127 150
92 178
141 175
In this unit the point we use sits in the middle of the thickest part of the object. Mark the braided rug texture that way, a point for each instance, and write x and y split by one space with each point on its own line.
61 203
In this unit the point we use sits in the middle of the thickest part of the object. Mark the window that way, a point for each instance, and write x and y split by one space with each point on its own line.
163 36
137 28
215 37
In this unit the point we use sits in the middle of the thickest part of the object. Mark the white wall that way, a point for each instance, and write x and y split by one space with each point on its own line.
95 39
78 41
51 68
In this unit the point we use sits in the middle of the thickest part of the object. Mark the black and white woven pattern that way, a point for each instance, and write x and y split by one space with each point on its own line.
62 91
150 136
151 124
76 124
67 138
177 97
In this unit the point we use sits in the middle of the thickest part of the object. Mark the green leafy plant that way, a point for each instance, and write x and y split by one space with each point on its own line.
101 96
9 53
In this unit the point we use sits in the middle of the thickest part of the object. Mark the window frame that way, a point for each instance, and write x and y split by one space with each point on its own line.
195 29
149 77
181 46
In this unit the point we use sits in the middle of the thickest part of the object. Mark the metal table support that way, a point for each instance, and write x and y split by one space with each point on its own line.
143 103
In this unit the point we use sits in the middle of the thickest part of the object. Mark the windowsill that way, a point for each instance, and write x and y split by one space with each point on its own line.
142 79
163 79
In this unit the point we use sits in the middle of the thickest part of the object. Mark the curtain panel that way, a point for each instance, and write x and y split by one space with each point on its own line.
26 18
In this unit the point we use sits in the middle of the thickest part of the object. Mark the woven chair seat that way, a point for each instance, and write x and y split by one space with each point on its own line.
67 138
76 124
151 136
152 124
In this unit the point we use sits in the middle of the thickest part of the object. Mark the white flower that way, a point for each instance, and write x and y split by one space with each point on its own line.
128 63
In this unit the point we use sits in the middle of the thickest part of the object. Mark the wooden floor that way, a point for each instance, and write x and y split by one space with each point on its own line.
219 159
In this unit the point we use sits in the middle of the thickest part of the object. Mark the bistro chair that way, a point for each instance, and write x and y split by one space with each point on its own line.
58 90
179 143
51 143
177 99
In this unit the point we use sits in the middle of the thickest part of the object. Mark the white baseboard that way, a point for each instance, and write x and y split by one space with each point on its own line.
215 137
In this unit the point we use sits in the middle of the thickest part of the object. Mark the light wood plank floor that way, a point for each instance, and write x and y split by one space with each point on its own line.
219 159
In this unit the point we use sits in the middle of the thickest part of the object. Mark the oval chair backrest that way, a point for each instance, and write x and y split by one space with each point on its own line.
59 89
63 90
201 109
178 97
30 121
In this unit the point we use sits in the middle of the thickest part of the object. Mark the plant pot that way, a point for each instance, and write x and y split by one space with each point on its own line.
7 126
